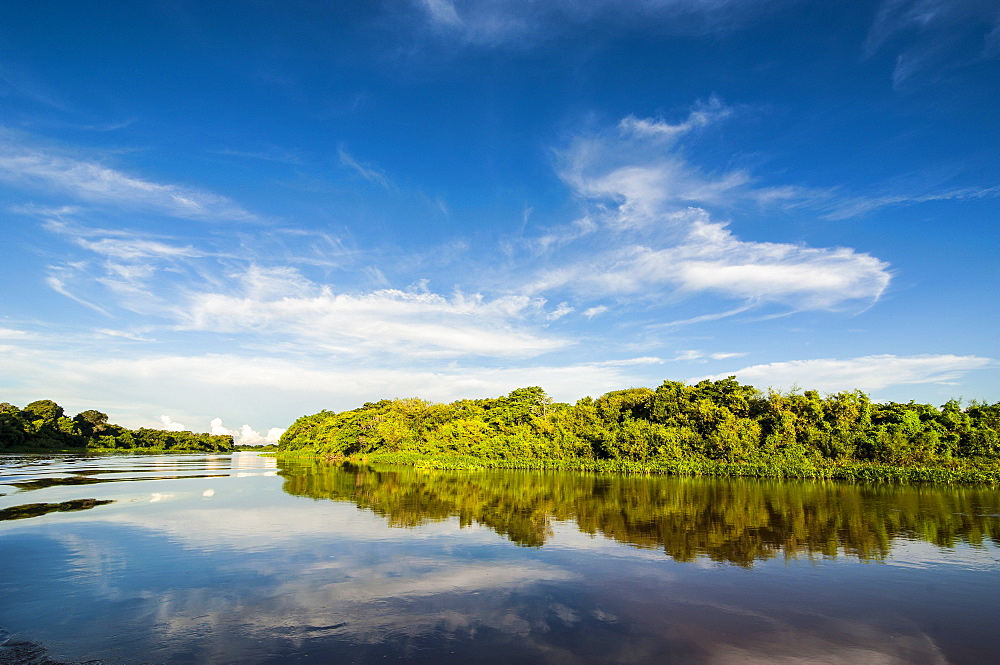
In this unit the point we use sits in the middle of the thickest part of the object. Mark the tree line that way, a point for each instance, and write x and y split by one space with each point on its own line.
43 425
711 420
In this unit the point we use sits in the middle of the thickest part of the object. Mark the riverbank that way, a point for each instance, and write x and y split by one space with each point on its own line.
111 451
964 471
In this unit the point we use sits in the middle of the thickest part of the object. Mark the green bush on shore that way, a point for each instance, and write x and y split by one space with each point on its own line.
710 428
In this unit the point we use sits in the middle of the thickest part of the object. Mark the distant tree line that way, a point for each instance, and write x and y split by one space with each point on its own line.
713 420
42 425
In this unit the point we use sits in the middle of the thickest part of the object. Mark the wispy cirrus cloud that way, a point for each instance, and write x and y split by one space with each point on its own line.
866 373
366 171
124 334
136 268
137 248
522 23
930 36
17 82
30 167
848 207
57 282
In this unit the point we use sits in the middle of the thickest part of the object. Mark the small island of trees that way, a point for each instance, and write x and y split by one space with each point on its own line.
43 426
712 427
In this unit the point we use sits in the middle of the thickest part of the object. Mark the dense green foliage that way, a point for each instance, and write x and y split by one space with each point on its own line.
704 428
42 425
736 521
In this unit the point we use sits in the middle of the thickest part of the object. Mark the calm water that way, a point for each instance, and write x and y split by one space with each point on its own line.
236 559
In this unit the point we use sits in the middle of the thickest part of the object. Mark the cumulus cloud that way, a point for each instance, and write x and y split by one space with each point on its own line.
246 435
865 373
169 425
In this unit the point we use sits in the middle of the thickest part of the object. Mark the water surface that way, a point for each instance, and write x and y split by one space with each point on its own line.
239 559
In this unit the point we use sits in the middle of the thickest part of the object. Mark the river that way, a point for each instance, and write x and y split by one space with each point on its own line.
238 558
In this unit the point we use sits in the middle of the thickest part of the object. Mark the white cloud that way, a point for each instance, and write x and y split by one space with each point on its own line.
934 35
137 248
275 390
846 208
701 116
364 170
625 362
693 354
135 337
383 321
710 259
246 435
218 292
560 236
641 178
560 311
656 236
442 11
169 425
94 182
866 373
11 333
58 285
351 385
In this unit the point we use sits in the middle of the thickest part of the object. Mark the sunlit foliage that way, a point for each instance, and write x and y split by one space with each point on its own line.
716 422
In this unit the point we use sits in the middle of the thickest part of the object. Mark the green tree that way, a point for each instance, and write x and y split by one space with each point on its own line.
91 422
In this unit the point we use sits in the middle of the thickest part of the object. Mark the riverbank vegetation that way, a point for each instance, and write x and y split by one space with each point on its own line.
43 426
710 428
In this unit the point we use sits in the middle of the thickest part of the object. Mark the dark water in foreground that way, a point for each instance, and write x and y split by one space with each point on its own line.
235 559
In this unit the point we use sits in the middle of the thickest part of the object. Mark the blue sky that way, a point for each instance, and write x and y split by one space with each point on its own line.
228 213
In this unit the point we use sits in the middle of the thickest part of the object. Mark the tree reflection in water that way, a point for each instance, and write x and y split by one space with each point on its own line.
736 521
